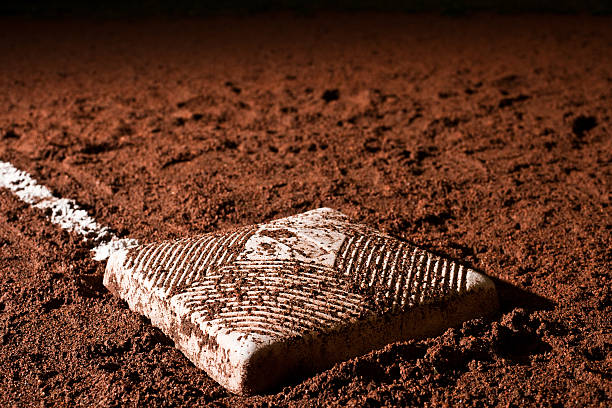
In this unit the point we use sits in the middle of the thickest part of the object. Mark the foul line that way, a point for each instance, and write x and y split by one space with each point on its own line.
61 211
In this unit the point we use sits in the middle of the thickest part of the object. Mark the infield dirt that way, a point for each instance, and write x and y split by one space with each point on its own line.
484 138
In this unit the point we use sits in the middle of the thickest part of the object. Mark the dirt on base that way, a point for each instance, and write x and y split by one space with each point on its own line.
485 138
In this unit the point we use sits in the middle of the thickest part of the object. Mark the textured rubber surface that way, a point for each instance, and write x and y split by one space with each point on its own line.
259 305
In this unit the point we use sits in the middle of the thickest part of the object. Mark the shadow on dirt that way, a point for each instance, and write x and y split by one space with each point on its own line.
512 297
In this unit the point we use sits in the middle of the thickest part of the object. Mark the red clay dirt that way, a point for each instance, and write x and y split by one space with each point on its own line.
485 138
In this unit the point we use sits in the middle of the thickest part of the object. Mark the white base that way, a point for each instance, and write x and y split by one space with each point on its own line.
263 305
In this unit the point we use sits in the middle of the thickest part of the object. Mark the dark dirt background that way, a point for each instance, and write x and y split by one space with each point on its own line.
200 8
484 137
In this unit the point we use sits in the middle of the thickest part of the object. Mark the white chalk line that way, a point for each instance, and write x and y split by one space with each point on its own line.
62 211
